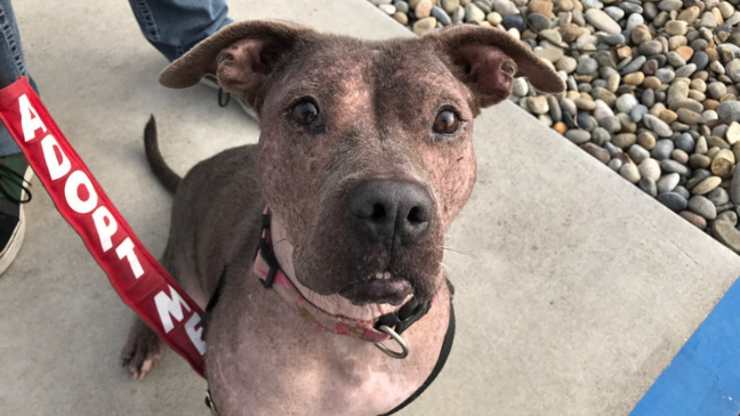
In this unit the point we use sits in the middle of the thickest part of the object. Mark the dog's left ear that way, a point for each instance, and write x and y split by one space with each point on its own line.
487 60
242 55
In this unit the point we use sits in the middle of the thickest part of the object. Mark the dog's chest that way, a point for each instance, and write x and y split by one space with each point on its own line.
277 363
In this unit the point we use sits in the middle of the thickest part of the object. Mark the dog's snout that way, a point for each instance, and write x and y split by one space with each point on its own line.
387 209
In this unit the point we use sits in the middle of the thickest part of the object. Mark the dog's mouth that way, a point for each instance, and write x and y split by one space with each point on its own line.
382 287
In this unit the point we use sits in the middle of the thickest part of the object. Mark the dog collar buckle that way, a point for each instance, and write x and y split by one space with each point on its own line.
403 353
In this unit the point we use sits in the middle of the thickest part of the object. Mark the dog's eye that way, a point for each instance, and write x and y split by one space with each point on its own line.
447 122
305 111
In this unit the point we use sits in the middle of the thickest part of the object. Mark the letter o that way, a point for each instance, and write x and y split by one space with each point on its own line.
71 194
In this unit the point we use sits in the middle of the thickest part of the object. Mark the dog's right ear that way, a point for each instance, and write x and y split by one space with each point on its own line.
241 56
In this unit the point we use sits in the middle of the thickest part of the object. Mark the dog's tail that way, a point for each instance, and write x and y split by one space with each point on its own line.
167 177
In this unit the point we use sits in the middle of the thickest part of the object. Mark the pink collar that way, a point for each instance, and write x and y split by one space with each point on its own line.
268 270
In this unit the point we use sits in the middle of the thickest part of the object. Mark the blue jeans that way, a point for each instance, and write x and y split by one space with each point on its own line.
171 26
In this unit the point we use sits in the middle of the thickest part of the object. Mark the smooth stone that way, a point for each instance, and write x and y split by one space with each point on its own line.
556 113
729 111
626 102
388 8
698 160
646 139
668 182
685 142
634 20
685 71
538 22
513 21
648 186
423 8
665 75
602 110
578 136
611 124
634 65
703 206
441 15
676 27
735 185
719 196
634 78
401 18
673 200
670 5
450 6
587 66
586 121
733 69
425 25
663 149
657 125
650 47
630 172
724 227
680 156
717 90
707 185
474 14
648 97
600 136
638 153
615 164
600 20
732 135
538 104
504 7
567 64
700 59
638 112
695 219
689 117
624 140
598 152
494 18
671 166
650 168
519 87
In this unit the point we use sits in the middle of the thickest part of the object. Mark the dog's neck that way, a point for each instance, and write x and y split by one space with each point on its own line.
334 304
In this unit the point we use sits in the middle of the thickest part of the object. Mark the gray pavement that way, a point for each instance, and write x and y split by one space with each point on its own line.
574 289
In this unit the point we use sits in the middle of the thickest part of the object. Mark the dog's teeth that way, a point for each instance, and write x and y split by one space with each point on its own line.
387 275
378 275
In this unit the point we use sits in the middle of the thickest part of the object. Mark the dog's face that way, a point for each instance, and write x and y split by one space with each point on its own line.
366 152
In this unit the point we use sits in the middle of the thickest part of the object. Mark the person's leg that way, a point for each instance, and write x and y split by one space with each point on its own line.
14 171
175 26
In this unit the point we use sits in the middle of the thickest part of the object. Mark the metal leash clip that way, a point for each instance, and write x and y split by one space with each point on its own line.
399 340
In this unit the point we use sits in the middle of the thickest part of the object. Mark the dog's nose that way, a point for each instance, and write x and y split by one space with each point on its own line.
384 209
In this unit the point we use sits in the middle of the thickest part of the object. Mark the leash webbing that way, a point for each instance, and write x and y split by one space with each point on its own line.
141 282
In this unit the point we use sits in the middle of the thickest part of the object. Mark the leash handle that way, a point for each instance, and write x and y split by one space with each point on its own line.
141 282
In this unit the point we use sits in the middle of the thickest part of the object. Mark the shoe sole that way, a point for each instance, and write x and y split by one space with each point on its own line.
15 243
19 233
209 82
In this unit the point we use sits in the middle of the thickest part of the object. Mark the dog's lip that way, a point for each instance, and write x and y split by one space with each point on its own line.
383 288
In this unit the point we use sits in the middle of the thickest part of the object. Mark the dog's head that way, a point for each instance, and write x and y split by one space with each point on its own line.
366 151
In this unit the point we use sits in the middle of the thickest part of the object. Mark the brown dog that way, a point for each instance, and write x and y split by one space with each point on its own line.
364 159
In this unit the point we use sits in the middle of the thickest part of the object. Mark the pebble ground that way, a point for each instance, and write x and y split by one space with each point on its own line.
652 89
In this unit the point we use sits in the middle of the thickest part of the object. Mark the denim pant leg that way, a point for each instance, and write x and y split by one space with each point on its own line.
175 26
12 65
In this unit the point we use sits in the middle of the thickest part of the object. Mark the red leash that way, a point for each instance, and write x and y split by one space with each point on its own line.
142 283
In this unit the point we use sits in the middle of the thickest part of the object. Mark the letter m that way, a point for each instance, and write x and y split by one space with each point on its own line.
169 307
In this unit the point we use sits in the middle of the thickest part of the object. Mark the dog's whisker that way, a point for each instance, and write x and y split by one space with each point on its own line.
452 250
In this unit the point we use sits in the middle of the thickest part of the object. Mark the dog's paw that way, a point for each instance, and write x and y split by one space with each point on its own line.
142 351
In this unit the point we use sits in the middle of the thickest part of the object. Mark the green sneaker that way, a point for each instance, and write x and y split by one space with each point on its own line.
15 177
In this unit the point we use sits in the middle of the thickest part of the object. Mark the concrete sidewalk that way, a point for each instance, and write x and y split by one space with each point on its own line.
570 300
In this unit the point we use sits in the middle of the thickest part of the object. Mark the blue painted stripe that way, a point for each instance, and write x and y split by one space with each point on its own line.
704 378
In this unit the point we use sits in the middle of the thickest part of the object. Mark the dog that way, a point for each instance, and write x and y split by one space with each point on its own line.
325 240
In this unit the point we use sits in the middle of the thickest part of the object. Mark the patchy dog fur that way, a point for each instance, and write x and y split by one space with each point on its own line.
376 104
